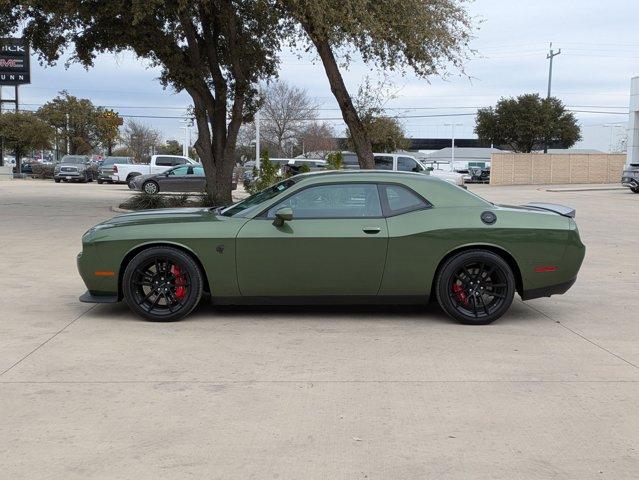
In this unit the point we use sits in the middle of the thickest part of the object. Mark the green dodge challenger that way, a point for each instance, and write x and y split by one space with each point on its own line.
336 237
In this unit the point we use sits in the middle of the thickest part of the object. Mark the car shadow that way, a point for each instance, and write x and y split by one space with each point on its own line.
208 311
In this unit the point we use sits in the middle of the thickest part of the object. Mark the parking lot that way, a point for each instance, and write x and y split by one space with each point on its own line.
551 390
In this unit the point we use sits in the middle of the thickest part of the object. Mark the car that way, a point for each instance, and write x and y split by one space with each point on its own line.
105 168
630 177
158 164
183 178
73 167
402 163
336 237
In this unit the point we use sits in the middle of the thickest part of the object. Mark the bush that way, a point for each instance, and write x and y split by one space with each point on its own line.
334 161
144 201
42 171
267 176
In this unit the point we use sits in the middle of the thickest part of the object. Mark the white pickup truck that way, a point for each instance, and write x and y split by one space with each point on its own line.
124 172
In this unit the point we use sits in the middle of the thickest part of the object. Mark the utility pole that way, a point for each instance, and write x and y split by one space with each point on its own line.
257 140
551 55
452 146
613 128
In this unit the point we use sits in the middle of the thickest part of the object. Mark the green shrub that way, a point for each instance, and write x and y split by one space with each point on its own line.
334 161
42 171
268 175
144 201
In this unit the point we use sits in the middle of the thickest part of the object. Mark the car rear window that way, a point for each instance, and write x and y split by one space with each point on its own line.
402 200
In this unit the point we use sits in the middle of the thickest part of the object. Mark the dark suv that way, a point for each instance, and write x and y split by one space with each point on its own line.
630 177
105 171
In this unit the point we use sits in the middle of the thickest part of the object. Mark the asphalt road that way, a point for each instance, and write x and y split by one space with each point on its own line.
549 391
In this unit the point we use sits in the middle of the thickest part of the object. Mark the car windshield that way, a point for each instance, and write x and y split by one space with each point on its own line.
257 198
73 160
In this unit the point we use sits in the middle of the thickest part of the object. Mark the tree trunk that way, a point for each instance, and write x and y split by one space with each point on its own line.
359 136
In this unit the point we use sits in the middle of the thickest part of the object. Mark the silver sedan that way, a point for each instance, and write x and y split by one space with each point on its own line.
183 178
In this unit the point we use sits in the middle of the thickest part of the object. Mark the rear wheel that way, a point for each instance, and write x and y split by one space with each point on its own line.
634 189
475 287
162 284
100 182
56 180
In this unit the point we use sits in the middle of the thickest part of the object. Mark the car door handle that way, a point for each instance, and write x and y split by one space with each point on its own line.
371 230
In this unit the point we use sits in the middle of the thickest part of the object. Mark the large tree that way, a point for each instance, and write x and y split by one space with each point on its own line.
140 140
528 122
82 126
419 35
24 131
216 50
284 112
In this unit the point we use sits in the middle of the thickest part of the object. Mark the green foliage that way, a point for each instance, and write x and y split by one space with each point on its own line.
266 176
24 131
334 161
85 126
527 123
386 133
43 171
144 201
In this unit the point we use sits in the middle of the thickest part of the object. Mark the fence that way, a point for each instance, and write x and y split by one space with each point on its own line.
544 169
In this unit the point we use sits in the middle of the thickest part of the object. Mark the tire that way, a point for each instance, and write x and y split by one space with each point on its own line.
100 182
56 180
634 189
150 187
151 284
465 299
129 178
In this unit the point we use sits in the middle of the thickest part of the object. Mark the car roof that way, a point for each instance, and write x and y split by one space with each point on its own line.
372 175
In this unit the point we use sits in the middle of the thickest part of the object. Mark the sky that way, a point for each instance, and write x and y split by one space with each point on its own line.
599 44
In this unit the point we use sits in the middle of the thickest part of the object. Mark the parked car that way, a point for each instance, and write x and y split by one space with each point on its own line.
105 169
183 178
73 167
402 163
124 172
341 237
630 177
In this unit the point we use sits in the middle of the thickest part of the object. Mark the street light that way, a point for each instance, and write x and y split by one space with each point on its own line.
452 150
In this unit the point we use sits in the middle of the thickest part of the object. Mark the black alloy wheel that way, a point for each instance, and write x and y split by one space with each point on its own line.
475 287
162 284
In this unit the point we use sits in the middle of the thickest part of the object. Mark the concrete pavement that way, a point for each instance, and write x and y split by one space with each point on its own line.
549 391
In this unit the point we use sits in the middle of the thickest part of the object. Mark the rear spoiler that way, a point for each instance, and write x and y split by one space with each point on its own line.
551 207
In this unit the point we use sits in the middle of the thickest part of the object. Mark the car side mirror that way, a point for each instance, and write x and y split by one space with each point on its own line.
283 215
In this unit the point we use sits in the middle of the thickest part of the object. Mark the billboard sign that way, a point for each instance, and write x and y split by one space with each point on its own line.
14 61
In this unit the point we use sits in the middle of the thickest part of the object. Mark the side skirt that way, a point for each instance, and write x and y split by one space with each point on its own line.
324 300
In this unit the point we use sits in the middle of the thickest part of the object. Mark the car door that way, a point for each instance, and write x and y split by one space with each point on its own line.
384 162
174 180
335 245
408 164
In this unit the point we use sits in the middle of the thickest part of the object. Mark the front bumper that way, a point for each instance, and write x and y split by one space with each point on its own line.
88 297
630 182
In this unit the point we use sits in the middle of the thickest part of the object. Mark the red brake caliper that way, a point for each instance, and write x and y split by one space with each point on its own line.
459 292
180 288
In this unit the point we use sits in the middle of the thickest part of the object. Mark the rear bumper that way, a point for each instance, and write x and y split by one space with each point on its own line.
549 290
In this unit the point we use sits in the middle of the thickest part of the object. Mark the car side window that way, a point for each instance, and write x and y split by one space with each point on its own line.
384 163
179 171
179 161
356 200
164 162
402 200
198 171
407 164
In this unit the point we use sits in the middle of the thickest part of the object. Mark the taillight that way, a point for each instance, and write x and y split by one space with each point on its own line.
115 169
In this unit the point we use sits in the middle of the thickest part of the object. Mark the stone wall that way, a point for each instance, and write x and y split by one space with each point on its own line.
546 169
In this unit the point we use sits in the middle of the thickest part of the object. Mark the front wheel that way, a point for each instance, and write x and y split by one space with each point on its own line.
162 284
56 180
475 287
634 189
151 187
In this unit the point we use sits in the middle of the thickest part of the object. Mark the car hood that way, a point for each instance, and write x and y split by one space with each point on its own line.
163 215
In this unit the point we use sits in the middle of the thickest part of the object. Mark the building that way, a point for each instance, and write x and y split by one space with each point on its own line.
464 157
633 123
